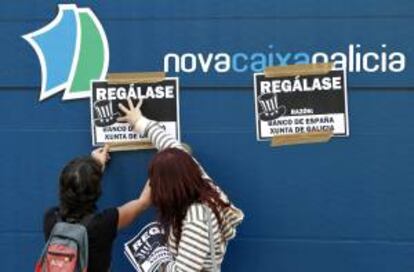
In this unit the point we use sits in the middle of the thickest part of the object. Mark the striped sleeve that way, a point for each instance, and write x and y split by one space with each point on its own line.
194 246
161 139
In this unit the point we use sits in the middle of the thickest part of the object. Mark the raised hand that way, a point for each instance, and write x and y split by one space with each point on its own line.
101 155
132 114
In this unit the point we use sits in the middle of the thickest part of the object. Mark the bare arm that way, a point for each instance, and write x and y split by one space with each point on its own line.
129 211
132 209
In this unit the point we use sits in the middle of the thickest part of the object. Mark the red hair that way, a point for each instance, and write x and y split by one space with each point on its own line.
176 183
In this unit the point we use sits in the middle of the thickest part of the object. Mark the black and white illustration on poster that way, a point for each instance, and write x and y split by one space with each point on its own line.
147 251
301 104
160 102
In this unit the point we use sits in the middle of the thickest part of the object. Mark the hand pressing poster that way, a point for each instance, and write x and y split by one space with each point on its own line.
301 104
160 102
147 250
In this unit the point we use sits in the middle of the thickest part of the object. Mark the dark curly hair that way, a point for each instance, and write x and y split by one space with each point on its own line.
79 188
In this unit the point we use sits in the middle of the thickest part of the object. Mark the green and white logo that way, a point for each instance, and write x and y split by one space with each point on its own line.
73 50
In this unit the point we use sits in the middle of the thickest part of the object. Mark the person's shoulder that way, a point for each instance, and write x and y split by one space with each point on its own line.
103 225
197 212
109 211
49 220
51 214
105 221
109 214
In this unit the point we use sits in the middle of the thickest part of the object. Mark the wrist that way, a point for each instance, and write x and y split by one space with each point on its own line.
98 161
141 124
103 166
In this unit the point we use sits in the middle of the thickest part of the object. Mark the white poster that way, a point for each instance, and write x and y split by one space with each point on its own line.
301 104
160 102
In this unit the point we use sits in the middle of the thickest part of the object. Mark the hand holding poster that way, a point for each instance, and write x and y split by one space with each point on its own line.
301 104
160 101
146 251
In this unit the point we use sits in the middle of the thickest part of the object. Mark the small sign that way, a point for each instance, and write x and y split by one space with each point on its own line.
301 104
147 251
160 102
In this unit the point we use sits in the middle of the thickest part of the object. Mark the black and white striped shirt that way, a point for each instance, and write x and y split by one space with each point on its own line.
193 252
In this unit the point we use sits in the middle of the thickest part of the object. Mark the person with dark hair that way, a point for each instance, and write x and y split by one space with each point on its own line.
79 190
198 217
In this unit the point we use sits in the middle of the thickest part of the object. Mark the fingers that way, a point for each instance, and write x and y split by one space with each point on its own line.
130 104
123 108
105 149
140 103
97 150
100 150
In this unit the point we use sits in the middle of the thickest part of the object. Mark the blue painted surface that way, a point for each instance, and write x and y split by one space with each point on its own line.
342 206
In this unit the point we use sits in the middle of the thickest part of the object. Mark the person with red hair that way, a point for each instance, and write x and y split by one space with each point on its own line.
198 217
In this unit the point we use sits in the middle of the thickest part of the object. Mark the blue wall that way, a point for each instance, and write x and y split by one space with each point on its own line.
343 206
